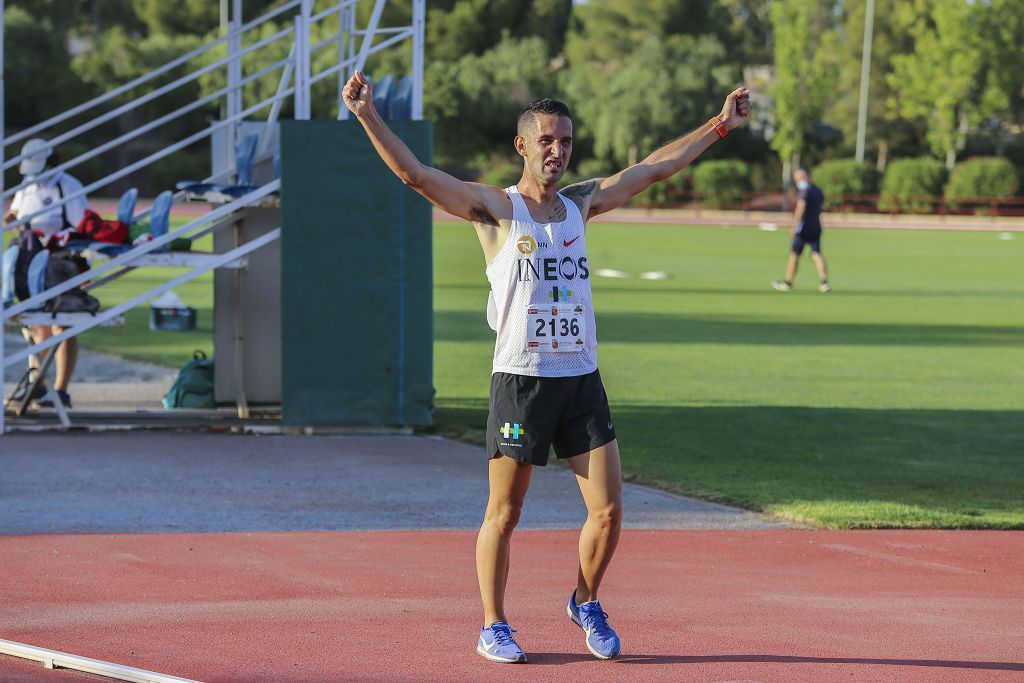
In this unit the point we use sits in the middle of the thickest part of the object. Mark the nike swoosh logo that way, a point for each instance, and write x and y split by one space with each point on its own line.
569 243
489 646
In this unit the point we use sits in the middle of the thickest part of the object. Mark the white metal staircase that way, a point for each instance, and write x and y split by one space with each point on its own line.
352 46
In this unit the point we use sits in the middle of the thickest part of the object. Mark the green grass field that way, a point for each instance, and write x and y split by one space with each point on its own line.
897 400
894 401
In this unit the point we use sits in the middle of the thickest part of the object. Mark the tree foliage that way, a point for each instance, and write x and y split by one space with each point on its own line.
461 27
476 99
943 82
805 71
656 93
945 76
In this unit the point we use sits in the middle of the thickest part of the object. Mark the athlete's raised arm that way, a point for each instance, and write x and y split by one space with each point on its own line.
474 202
604 194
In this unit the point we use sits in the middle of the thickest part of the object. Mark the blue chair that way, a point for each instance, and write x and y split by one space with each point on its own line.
160 215
400 104
244 153
126 206
243 159
382 95
37 273
10 259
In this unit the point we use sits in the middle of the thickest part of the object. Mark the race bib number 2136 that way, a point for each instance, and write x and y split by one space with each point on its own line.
559 328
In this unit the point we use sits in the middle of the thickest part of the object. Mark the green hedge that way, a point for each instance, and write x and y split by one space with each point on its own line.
906 181
672 190
721 184
844 176
982 178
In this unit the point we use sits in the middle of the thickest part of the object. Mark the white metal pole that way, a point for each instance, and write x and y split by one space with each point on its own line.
346 54
301 72
307 37
275 109
234 98
3 122
342 76
419 14
865 76
369 34
54 659
3 143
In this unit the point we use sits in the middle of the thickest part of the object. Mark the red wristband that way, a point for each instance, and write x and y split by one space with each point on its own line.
719 126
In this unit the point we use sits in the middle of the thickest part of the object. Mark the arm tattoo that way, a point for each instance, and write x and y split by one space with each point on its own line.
559 213
578 193
482 216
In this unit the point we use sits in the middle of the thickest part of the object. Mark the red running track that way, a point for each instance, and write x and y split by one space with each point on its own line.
786 605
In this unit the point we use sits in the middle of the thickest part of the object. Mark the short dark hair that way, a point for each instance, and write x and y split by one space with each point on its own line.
544 105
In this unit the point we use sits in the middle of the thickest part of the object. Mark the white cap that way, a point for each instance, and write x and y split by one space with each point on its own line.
34 154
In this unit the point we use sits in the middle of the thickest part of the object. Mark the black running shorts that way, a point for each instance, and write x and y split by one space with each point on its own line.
529 415
799 242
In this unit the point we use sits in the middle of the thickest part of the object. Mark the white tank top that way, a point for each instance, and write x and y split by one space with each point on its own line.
540 286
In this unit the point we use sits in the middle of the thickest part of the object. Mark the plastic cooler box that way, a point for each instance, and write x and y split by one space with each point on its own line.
172 319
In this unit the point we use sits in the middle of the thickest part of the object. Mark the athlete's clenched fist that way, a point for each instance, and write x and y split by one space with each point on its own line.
736 108
357 93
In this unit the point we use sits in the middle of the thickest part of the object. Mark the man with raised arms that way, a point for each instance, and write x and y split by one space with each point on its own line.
545 386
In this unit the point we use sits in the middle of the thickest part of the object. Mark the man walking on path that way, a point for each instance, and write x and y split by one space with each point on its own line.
545 386
806 230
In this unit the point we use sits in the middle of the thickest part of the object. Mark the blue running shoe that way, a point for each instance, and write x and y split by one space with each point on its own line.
602 641
497 644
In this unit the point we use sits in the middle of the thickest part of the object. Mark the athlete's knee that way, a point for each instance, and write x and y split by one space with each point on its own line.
503 516
607 516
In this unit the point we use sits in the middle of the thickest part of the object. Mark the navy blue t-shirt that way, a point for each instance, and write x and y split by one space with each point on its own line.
810 223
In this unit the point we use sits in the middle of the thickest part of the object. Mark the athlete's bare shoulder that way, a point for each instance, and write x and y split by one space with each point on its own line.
579 194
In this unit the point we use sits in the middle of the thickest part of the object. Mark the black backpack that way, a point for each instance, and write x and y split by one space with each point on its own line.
58 268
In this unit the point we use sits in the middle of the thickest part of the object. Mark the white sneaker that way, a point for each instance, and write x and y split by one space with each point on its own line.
824 287
781 285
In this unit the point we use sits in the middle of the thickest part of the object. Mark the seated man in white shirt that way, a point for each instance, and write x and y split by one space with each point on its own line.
45 190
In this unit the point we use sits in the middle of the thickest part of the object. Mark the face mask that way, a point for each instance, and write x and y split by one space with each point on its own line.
802 184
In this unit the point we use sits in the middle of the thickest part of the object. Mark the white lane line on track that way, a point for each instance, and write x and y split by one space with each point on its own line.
54 659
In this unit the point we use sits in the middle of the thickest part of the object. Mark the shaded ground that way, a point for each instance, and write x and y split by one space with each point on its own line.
174 482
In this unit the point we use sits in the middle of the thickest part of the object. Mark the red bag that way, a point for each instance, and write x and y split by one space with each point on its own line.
93 227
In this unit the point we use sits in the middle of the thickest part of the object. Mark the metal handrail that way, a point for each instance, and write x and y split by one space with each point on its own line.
145 161
331 10
85 156
142 99
354 61
366 49
144 248
297 67
117 310
177 61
